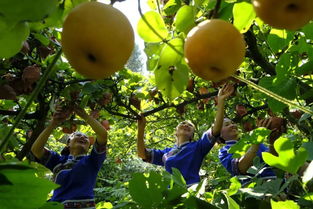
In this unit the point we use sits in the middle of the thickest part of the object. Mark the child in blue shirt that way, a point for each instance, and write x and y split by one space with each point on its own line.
239 166
186 155
73 170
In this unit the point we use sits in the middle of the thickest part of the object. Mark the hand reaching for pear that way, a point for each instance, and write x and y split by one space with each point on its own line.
277 126
226 91
61 113
80 112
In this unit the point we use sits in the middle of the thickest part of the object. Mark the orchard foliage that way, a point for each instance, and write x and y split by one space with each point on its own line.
35 75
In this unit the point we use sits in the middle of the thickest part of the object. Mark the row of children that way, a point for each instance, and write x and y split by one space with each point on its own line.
76 172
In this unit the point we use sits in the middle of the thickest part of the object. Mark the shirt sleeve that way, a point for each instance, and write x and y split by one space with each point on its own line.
206 142
227 160
49 159
98 155
157 155
262 148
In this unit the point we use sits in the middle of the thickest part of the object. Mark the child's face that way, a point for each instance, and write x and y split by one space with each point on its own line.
229 130
79 141
186 129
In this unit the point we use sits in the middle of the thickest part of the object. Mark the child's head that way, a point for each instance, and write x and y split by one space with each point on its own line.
186 130
77 143
229 130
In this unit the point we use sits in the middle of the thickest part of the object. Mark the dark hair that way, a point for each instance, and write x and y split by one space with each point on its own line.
220 140
65 151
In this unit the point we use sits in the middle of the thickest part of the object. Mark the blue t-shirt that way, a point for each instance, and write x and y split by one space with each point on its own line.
187 158
75 175
231 164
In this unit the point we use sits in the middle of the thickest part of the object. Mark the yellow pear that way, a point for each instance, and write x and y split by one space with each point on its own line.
214 49
284 14
97 39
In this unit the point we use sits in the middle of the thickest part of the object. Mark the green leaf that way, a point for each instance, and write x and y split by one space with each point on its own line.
278 39
198 3
43 39
256 167
232 204
239 149
308 31
288 204
184 19
146 189
302 46
226 10
306 200
55 19
269 188
287 159
285 87
27 10
156 22
171 7
172 80
177 185
309 147
258 135
171 76
152 4
169 56
178 178
255 136
243 20
104 205
308 196
283 66
90 88
27 191
234 186
153 51
12 38
306 68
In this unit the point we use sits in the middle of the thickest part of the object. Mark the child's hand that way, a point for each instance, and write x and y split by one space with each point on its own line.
61 113
275 124
226 91
80 111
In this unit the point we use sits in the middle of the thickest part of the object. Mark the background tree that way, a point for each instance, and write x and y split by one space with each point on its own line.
34 76
136 61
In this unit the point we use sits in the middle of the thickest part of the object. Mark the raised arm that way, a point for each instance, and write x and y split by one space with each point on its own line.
246 161
102 134
38 147
141 147
223 94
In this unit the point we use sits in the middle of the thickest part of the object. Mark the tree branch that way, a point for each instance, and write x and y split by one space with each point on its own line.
214 13
39 127
255 55
253 110
166 105
34 115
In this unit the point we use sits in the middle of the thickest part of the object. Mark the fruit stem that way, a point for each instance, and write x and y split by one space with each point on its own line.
33 95
273 95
